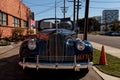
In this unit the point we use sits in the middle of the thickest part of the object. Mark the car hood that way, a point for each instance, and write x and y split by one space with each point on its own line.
59 31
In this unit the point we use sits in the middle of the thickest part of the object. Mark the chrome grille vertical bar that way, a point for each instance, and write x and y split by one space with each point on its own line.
50 47
37 62
60 47
23 62
75 60
56 51
56 47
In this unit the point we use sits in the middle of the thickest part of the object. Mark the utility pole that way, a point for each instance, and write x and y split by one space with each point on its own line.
78 7
86 19
74 11
64 9
56 15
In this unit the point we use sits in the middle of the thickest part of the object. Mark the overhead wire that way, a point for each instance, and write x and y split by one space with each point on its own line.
48 9
50 5
105 1
37 4
102 7
43 4
93 1
100 2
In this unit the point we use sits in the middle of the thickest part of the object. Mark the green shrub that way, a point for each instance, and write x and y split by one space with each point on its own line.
31 32
4 43
17 34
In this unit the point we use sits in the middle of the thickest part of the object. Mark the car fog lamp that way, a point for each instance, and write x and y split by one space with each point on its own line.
32 44
80 46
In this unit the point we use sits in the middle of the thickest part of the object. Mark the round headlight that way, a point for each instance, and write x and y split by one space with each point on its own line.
80 46
31 44
69 42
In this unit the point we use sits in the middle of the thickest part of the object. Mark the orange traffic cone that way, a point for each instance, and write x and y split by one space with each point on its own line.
102 60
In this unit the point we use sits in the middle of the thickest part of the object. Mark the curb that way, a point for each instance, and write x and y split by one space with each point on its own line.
105 76
97 71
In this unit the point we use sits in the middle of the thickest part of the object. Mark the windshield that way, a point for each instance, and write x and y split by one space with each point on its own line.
56 23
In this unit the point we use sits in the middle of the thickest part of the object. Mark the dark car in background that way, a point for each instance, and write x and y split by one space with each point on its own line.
115 34
56 46
112 33
108 33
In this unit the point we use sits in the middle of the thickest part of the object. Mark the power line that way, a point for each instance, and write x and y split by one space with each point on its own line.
103 7
46 10
37 4
43 4
105 1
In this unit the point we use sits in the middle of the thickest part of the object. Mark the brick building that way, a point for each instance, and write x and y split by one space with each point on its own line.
13 13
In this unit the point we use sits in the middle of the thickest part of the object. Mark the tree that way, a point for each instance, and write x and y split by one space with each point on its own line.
94 25
81 24
115 26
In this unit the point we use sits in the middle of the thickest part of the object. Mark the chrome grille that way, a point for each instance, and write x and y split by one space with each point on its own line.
55 50
56 47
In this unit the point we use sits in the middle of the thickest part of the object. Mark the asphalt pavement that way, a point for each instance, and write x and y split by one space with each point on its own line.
110 50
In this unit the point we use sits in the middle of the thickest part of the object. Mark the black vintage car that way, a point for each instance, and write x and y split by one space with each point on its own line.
56 46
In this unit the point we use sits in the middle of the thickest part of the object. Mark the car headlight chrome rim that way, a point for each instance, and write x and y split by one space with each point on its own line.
80 46
69 42
31 44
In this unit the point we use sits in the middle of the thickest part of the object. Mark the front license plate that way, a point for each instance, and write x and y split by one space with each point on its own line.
84 56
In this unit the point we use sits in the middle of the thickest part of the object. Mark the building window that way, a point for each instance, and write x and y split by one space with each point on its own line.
16 22
3 18
0 18
25 24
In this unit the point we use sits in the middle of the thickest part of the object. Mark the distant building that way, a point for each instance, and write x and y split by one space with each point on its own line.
13 13
108 17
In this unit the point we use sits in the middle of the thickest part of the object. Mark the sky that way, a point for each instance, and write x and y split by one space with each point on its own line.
46 8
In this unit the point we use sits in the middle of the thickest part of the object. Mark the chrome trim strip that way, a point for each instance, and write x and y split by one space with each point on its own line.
56 65
75 65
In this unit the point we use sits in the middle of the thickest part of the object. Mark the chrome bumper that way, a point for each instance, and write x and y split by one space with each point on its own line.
76 66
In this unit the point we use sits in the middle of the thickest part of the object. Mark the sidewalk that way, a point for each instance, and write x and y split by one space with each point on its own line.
4 49
110 50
